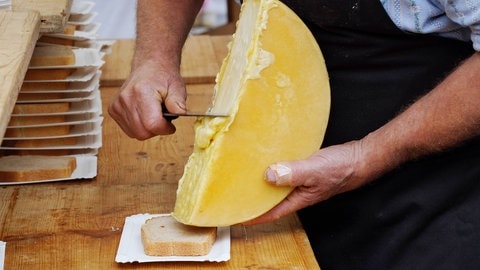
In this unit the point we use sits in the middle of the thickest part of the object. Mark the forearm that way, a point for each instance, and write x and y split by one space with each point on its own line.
155 80
162 27
442 119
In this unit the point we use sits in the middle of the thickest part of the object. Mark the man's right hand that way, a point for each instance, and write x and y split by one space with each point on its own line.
137 107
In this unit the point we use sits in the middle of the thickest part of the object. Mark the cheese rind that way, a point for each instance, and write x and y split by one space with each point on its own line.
277 94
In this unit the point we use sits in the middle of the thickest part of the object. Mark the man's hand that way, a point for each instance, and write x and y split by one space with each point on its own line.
328 172
137 108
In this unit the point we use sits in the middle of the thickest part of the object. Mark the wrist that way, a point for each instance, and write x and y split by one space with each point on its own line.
378 154
157 59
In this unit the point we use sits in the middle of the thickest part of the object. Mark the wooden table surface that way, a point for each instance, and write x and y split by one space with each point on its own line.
78 224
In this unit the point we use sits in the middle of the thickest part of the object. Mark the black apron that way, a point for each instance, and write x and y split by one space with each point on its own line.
424 215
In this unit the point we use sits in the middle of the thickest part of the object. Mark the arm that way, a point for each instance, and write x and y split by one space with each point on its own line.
442 119
162 28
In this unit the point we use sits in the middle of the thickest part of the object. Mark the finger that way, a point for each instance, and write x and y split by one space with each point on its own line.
124 111
115 111
175 101
132 123
292 173
150 113
285 174
291 204
140 131
279 174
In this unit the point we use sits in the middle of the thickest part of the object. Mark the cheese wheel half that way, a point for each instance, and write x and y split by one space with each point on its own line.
274 86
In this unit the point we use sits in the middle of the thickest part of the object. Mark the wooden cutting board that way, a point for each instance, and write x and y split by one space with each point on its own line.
202 57
199 61
53 13
19 32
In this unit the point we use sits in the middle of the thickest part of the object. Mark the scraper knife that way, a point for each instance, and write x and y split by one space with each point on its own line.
169 115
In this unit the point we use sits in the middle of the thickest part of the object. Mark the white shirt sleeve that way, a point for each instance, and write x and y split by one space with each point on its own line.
458 19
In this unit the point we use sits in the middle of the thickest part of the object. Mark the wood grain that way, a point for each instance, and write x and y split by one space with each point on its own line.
18 33
53 13
201 59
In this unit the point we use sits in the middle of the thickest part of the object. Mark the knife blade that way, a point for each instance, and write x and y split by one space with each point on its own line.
193 114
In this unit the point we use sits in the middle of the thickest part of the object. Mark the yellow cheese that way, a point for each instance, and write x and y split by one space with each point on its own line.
274 85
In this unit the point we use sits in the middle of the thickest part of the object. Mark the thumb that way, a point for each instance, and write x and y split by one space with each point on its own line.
284 173
175 101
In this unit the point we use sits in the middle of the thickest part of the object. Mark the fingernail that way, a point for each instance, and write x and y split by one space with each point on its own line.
278 174
182 106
